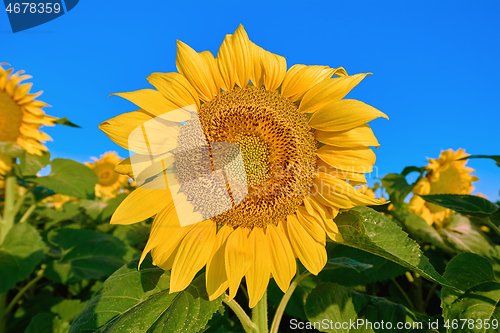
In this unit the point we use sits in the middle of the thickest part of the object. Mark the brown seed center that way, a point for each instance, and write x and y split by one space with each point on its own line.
277 147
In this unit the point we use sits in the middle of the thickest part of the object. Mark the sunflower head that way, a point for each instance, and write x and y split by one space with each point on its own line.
445 175
300 144
110 182
21 116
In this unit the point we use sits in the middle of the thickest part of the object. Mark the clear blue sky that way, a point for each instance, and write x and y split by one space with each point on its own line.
435 65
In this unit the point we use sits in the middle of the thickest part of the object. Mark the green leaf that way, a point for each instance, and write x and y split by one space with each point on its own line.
85 254
46 322
343 262
112 205
20 253
71 178
479 293
64 121
367 230
419 230
333 308
461 235
495 158
41 192
463 203
134 300
410 169
93 208
398 188
30 164
381 269
68 309
11 149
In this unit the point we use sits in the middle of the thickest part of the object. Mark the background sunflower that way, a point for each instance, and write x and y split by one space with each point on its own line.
21 116
445 175
110 182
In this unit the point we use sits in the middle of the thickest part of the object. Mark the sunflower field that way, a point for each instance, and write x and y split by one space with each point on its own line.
243 207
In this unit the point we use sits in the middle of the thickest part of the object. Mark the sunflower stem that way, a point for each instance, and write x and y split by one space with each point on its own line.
284 301
28 213
3 304
9 206
245 320
16 298
259 314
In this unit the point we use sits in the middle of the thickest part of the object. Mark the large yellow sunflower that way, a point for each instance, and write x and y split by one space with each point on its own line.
110 182
279 121
21 116
445 175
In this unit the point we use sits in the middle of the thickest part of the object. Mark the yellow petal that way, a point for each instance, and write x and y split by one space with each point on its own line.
141 204
311 253
150 100
166 234
124 167
332 230
315 209
211 65
197 71
359 160
257 277
343 115
283 265
238 258
327 91
312 224
235 59
224 63
118 129
332 187
269 68
349 174
216 270
193 254
300 78
175 88
361 136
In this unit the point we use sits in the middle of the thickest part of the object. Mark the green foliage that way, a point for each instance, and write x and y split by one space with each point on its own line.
20 253
135 300
11 149
365 229
495 158
330 304
376 268
478 295
64 121
398 188
30 164
463 203
71 178
84 254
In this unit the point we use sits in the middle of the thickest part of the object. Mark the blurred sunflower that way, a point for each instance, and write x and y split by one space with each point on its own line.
57 200
277 121
21 116
445 175
110 182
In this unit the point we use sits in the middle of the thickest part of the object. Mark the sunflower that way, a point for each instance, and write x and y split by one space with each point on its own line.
293 119
110 182
21 116
445 175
